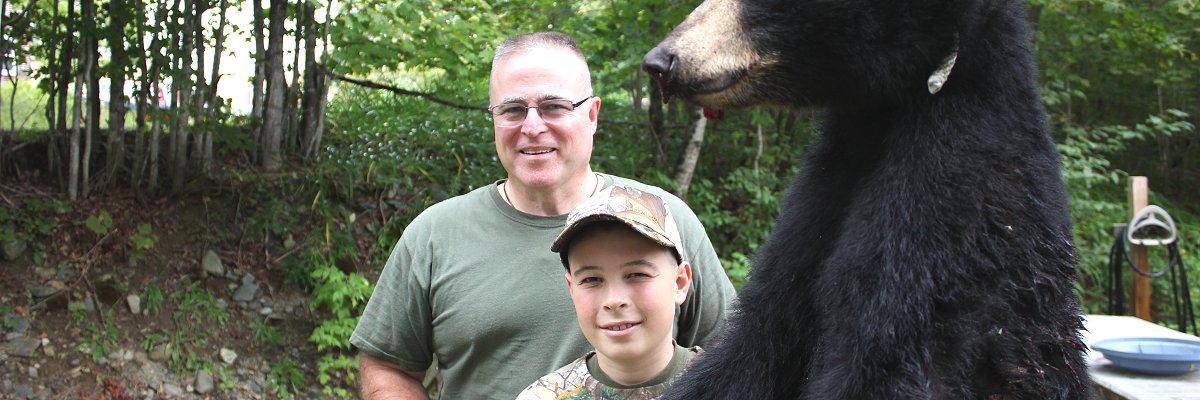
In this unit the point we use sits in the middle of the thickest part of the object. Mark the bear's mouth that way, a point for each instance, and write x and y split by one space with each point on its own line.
673 85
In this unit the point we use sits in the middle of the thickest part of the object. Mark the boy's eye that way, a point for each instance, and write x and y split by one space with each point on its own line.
638 275
591 280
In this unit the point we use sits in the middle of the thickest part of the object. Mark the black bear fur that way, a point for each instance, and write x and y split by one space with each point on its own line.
924 250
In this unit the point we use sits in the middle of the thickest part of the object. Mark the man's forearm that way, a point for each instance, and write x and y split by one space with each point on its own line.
382 380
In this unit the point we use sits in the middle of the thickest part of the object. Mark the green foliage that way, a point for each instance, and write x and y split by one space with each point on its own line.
331 369
141 241
32 222
99 224
26 115
78 311
265 333
100 341
152 296
6 318
197 304
285 378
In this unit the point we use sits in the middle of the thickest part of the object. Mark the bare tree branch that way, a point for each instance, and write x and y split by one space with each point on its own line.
393 89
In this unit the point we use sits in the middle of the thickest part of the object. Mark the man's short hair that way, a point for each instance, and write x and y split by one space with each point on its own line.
535 40
540 40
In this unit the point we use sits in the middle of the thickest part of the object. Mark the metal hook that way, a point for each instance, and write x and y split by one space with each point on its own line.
1151 230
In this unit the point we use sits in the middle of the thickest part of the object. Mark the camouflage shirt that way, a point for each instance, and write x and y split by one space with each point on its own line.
575 381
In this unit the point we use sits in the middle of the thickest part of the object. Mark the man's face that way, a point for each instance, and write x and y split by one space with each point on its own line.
538 153
625 288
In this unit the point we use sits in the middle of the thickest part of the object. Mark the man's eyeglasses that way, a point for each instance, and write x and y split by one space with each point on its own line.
513 113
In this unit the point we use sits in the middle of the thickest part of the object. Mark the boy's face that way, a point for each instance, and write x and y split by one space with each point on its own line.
625 288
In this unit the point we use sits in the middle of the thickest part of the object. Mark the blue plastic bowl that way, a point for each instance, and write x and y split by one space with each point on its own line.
1154 356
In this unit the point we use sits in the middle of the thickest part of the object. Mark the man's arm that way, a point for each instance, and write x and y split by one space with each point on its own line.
382 380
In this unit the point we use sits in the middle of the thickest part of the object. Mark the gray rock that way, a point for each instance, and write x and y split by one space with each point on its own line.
222 304
22 346
172 390
135 303
159 353
89 303
13 249
43 291
44 272
212 264
8 337
33 371
204 382
266 311
289 242
246 292
228 356
22 391
248 278
20 323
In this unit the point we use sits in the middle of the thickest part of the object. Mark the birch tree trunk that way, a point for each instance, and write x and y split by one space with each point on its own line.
199 92
82 71
273 114
687 166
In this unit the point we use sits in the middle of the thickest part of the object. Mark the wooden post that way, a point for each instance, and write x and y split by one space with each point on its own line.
1139 189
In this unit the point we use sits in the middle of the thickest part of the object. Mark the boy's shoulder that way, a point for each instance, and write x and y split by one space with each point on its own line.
563 383
574 382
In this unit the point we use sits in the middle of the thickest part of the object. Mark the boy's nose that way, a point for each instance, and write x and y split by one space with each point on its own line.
616 300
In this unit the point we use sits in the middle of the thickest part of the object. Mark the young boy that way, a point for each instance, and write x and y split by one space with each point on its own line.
626 277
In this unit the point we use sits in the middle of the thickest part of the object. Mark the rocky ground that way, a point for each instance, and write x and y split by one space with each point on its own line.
205 312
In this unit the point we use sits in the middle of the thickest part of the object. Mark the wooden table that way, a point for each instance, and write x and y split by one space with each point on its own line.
1115 383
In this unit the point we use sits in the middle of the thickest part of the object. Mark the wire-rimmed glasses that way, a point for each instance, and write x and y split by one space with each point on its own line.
513 113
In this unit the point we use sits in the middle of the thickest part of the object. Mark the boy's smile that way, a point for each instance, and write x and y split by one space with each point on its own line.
625 288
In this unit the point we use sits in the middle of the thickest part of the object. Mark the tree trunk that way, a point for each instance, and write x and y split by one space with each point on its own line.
184 82
687 166
63 74
116 92
312 78
260 73
273 114
200 91
76 169
291 131
657 130
214 102
142 95
88 13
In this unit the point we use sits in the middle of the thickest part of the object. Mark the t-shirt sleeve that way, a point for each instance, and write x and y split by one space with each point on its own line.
396 325
712 295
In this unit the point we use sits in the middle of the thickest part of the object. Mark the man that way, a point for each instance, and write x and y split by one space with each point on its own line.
473 279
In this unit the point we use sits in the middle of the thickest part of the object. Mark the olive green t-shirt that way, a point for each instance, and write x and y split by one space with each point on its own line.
473 280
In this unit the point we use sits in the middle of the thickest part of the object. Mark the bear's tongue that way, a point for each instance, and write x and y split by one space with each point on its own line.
714 114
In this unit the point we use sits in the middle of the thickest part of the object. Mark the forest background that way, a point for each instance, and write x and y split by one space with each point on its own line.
351 117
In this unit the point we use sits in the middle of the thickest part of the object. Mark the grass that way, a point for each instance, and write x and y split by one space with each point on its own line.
28 108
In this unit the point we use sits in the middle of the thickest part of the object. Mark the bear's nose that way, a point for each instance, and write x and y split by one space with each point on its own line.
658 63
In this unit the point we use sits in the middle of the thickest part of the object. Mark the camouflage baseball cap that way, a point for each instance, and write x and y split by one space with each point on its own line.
644 212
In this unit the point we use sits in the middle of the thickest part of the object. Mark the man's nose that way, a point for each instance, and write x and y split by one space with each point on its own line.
533 123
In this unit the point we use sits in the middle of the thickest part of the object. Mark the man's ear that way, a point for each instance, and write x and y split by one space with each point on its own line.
683 282
594 111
